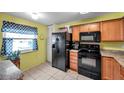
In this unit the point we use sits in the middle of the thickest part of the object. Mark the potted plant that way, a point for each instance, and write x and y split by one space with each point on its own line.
15 58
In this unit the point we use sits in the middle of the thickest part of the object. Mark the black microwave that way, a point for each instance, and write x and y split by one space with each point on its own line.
90 36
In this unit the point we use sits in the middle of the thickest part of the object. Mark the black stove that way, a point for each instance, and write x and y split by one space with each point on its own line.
89 63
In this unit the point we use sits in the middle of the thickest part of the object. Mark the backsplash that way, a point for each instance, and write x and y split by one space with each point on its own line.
112 45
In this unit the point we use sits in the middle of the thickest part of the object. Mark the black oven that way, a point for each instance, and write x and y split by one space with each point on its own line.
89 61
90 36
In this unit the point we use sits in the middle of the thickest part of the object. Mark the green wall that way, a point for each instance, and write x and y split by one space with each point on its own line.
105 45
29 60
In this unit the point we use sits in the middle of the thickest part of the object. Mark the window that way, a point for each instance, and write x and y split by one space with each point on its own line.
22 45
18 37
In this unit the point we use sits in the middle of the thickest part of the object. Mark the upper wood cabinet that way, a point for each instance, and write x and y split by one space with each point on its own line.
75 33
90 27
110 69
112 30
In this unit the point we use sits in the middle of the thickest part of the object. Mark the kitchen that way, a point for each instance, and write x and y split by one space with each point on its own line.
88 48
89 57
62 46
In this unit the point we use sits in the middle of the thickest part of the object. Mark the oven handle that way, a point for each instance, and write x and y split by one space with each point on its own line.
88 57
82 56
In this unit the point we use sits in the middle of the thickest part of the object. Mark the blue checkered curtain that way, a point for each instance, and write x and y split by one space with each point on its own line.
10 27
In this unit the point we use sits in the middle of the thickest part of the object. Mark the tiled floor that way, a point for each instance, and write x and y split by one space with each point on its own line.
47 72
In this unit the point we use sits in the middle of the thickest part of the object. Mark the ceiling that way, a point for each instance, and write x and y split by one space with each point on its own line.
48 18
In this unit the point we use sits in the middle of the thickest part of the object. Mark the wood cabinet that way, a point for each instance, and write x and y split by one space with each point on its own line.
16 62
75 33
122 73
116 70
110 69
112 30
74 60
107 68
90 27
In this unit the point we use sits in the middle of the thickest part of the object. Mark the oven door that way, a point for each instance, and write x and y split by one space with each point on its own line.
90 36
90 67
89 64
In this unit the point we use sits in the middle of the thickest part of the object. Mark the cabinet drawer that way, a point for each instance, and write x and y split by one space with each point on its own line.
73 58
74 54
73 66
73 61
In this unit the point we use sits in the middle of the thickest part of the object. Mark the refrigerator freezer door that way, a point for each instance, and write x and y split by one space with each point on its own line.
58 51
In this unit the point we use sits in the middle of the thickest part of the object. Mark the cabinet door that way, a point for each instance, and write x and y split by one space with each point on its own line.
116 70
84 28
73 66
90 27
122 73
74 60
75 33
94 27
107 68
112 30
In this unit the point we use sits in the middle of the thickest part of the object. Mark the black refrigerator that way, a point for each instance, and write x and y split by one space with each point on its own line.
59 50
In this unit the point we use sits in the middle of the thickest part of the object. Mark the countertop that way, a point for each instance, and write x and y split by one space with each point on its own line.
73 50
118 55
8 71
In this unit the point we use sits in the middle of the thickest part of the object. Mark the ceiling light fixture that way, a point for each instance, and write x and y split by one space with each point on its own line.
83 13
35 15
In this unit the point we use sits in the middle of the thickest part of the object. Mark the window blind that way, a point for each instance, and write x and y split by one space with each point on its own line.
14 33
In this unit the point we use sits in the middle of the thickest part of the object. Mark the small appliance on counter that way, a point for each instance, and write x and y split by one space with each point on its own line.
75 45
89 57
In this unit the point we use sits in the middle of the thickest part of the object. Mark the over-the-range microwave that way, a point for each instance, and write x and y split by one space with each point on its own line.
90 36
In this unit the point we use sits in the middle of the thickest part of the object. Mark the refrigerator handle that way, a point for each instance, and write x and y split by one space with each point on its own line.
57 49
53 45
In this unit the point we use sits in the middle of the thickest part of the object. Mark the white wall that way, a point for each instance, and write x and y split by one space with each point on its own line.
51 28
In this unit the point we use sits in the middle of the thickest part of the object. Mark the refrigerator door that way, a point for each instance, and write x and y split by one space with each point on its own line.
58 51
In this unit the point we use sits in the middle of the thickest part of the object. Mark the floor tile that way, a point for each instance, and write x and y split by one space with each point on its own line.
43 76
46 72
51 78
72 74
60 75
51 71
68 77
27 76
81 77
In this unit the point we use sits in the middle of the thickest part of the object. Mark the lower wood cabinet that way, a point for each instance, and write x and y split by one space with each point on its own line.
74 60
110 69
116 70
73 66
122 73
